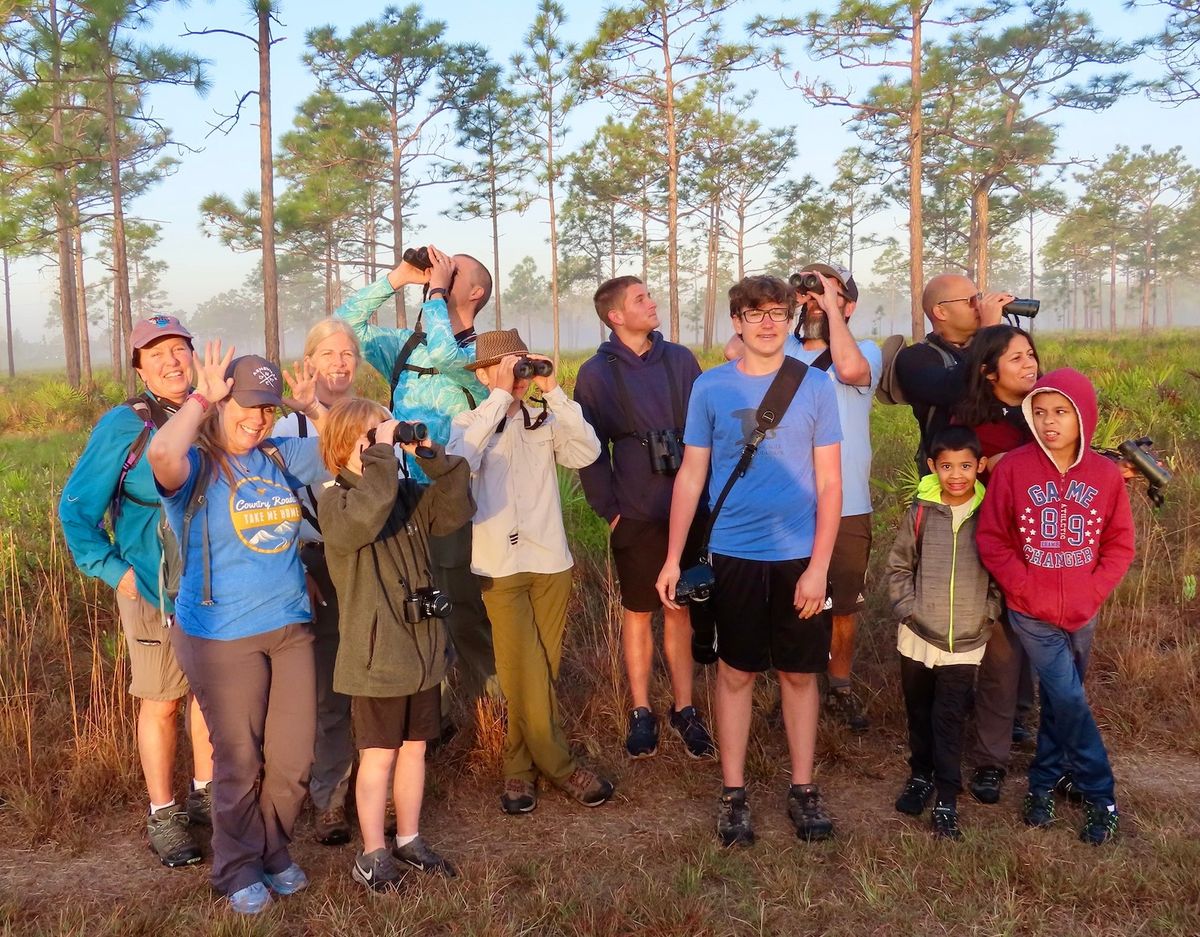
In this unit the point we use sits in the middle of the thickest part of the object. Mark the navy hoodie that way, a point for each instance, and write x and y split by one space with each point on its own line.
620 481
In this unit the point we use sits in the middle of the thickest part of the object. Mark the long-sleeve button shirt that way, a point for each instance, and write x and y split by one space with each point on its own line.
518 525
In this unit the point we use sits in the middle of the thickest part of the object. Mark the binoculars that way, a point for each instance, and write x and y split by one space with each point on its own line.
526 368
403 433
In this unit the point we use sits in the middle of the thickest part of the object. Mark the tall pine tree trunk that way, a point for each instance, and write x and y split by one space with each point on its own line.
8 332
397 221
85 342
495 206
266 167
672 178
62 210
916 242
120 258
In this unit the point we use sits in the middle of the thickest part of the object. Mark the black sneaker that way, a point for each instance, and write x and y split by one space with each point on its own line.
688 725
199 805
733 819
167 830
420 856
916 796
1100 823
944 820
1038 810
1022 737
848 707
376 870
1065 787
642 740
986 782
807 814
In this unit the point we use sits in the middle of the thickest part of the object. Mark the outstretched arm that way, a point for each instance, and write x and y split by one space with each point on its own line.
168 450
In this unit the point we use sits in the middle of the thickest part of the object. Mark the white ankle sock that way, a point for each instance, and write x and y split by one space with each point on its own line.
402 841
154 808
199 785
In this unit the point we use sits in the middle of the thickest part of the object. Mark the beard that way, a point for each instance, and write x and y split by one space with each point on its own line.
812 327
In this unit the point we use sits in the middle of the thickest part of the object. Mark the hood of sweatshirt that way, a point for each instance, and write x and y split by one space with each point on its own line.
930 489
614 346
1077 389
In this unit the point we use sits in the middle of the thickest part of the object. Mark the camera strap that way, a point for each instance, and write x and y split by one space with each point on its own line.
627 400
770 413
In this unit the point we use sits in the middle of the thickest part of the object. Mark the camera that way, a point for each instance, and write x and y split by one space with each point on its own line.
666 451
403 433
526 368
418 257
1140 454
809 282
695 584
426 603
1022 307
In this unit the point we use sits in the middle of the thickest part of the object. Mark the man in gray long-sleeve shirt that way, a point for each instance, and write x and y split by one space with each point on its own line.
634 391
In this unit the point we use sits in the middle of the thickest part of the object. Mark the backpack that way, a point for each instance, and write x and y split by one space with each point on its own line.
889 390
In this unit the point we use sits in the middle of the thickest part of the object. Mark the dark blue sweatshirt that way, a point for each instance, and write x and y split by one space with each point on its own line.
620 481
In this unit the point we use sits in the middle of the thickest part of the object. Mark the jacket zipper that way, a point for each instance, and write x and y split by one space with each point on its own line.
953 571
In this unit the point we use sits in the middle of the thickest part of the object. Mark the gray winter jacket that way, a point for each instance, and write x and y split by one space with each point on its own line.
939 588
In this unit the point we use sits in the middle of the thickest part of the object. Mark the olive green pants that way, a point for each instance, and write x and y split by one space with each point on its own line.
528 612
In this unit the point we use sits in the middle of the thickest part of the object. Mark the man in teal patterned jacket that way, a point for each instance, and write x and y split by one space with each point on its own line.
431 385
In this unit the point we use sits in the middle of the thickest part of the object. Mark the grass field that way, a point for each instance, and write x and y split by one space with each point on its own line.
73 859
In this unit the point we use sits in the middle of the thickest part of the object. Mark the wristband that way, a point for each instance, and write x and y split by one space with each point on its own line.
200 399
437 289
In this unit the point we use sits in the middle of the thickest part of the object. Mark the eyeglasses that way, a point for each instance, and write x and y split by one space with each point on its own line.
962 299
755 316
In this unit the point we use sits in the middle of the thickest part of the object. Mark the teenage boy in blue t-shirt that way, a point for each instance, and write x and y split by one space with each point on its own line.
770 544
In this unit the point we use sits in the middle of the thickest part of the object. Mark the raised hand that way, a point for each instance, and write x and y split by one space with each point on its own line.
505 379
302 383
211 382
442 271
547 383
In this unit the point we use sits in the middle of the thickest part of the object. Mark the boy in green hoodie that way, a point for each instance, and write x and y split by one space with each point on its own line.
946 605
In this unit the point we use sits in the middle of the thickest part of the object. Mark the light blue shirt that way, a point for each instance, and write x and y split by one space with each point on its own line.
854 412
771 512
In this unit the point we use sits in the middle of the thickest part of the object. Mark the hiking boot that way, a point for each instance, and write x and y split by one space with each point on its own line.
198 805
587 787
944 820
986 782
808 816
420 856
167 829
845 705
519 796
330 828
1038 810
377 870
1022 737
733 819
916 796
1066 787
688 725
1100 822
288 882
250 900
642 740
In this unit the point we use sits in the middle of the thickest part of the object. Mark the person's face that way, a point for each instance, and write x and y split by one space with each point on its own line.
1056 423
639 312
1016 371
815 326
764 338
165 367
245 427
960 312
487 377
956 471
336 362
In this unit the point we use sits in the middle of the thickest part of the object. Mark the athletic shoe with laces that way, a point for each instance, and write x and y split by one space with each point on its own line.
288 882
167 830
1066 787
846 705
418 854
642 740
986 782
377 870
519 796
1038 810
944 821
250 900
733 819
199 805
331 828
688 725
916 796
588 788
1100 823
808 816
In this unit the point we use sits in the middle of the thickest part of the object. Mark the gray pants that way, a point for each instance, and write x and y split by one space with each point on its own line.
996 697
470 630
333 753
258 695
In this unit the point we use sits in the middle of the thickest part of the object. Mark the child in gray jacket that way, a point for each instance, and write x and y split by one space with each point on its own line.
946 605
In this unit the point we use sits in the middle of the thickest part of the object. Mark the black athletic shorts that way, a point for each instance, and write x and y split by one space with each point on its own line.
757 625
639 549
848 564
390 721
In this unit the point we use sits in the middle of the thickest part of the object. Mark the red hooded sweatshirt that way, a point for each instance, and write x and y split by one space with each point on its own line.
1057 542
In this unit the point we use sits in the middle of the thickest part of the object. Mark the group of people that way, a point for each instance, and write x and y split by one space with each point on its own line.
307 584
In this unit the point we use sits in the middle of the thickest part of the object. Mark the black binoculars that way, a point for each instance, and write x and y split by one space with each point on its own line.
418 257
403 433
1140 454
526 368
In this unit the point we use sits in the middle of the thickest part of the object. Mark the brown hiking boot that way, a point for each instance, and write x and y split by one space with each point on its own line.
331 827
587 787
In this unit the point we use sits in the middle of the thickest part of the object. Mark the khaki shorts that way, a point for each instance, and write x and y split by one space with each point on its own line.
155 674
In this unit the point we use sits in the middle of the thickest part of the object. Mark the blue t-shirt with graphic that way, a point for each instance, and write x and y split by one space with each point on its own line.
257 580
771 512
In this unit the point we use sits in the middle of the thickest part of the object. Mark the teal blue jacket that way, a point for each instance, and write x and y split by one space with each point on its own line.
432 399
103 549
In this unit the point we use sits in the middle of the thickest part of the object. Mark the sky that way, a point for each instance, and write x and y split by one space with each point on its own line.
201 267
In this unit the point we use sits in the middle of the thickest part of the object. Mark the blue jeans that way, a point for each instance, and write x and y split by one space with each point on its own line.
1067 733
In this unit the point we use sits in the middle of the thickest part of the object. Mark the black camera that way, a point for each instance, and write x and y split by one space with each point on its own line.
809 282
1140 454
526 368
427 603
417 257
666 451
403 433
1022 307
695 584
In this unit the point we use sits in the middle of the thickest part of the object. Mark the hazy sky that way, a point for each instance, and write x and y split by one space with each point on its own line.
202 267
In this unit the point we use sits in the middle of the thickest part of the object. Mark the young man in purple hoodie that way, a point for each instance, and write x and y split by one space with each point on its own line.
635 392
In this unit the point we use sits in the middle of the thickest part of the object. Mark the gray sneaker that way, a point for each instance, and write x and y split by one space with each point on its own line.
420 856
377 870
167 829
199 805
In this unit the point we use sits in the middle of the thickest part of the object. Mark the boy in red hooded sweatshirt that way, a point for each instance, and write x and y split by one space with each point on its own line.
1056 533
